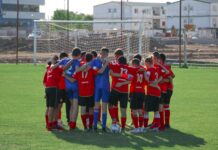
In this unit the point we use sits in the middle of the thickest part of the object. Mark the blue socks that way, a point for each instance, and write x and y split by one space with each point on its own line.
96 111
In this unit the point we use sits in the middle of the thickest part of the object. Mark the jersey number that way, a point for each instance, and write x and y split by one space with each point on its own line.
123 71
139 78
84 74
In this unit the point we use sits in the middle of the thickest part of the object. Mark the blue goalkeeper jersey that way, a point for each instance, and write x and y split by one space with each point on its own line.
101 80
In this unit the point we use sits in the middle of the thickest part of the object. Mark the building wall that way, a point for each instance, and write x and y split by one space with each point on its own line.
214 15
198 14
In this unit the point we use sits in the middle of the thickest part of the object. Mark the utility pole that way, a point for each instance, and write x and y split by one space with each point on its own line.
17 27
180 32
68 18
121 18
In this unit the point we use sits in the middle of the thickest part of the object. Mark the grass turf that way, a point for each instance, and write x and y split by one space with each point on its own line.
194 115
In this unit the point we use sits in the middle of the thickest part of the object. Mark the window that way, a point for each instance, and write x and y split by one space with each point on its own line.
109 10
115 10
163 12
214 8
185 21
136 11
190 20
163 23
144 11
185 8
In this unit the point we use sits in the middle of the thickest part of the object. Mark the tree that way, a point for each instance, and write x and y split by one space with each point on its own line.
62 15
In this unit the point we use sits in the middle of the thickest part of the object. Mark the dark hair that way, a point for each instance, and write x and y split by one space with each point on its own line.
163 57
148 59
118 52
63 54
49 63
104 49
83 54
94 53
136 61
122 60
138 56
89 57
156 54
76 51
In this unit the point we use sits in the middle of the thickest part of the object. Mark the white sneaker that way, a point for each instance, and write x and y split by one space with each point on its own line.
60 123
135 130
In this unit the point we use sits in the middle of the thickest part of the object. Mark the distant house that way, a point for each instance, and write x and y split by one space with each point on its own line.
201 14
29 11
154 14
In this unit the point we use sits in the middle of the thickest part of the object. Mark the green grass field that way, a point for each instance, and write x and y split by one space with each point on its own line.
194 115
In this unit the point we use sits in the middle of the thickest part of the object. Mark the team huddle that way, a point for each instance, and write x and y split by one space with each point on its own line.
83 81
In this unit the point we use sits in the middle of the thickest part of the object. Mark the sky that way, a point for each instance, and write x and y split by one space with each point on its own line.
82 6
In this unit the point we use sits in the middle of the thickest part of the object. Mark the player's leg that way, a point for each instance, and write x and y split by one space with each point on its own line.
82 103
73 109
90 105
134 112
155 109
167 108
105 100
140 110
112 102
98 95
123 105
161 111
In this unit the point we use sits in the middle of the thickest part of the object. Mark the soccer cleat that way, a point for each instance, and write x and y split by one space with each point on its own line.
104 130
135 130
90 129
167 126
95 129
60 123
143 130
161 128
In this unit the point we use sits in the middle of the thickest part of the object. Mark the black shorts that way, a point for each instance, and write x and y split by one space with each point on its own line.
168 97
62 96
116 96
51 97
137 100
152 103
162 98
87 101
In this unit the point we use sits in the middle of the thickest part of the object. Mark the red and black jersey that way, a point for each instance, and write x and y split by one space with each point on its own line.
52 77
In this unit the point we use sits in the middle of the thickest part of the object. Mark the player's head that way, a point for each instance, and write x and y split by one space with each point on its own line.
89 57
138 56
54 59
135 62
118 53
162 58
148 61
83 56
155 57
122 60
76 52
62 55
94 53
104 52
49 63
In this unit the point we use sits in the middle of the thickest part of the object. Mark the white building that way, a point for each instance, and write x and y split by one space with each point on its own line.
152 13
199 13
28 11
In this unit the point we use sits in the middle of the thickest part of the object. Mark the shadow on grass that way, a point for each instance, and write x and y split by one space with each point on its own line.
169 138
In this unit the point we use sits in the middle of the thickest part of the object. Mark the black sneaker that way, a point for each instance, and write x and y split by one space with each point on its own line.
104 130
90 129
123 130
86 129
167 126
95 129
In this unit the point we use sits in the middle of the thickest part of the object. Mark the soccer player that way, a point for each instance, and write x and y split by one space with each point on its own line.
162 72
117 54
72 88
119 93
169 90
86 80
51 83
153 95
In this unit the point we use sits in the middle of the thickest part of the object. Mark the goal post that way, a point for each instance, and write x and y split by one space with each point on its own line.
53 36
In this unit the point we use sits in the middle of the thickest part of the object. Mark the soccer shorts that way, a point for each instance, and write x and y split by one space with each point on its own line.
62 96
162 98
72 94
103 94
116 96
87 101
168 97
151 103
51 97
137 100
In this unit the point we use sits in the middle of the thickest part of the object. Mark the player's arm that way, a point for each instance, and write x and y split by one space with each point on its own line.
115 74
104 67
67 66
69 78
119 84
164 68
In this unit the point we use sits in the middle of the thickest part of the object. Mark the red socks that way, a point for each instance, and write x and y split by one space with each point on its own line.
141 121
59 115
161 119
167 115
116 112
123 122
46 119
72 125
135 120
83 117
91 119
